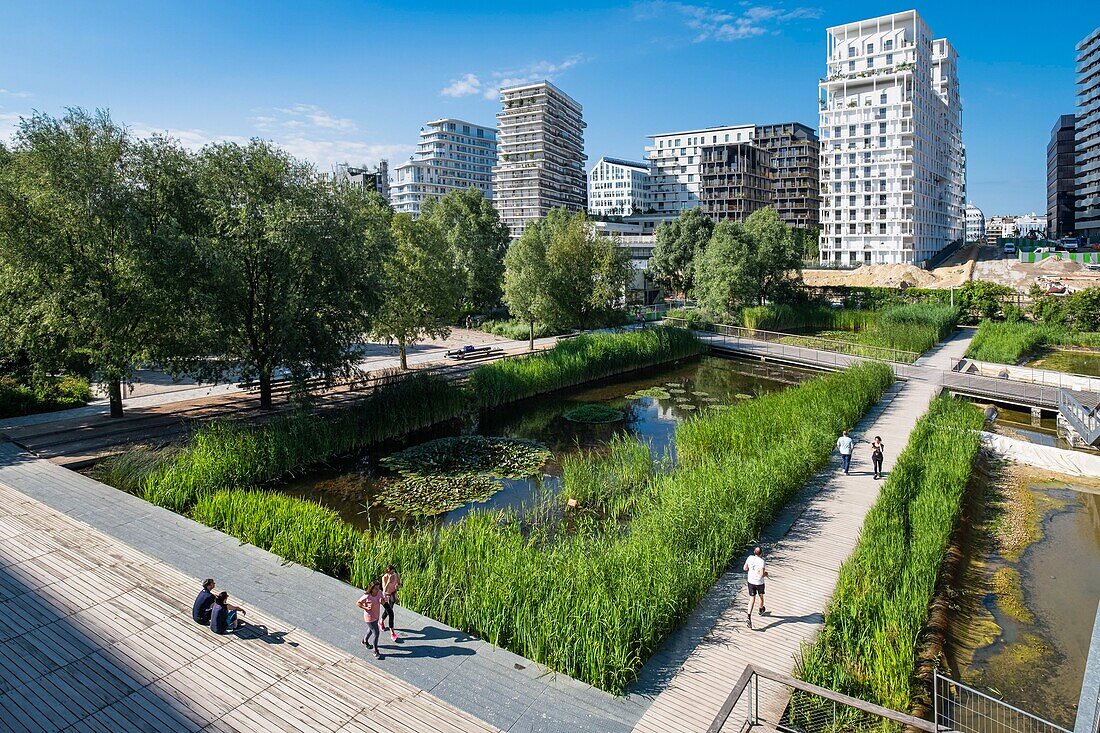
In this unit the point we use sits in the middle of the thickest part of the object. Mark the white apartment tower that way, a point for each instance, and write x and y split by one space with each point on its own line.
676 165
618 187
975 224
541 154
893 167
450 155
1087 168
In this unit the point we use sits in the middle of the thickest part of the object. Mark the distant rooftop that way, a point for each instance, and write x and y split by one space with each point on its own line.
624 162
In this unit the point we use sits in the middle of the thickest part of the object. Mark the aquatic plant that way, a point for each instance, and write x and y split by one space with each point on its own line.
1009 343
656 393
873 623
427 495
593 413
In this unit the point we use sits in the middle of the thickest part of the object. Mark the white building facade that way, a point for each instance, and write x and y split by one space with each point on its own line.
450 155
893 170
1087 168
975 224
676 166
541 158
618 187
1031 224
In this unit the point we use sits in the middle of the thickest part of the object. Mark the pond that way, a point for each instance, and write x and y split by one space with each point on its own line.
1073 361
1016 423
1033 587
355 485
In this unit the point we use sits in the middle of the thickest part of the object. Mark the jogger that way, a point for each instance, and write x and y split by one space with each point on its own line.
754 566
391 581
371 603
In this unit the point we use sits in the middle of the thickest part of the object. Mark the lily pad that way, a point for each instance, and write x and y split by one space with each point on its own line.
685 406
655 392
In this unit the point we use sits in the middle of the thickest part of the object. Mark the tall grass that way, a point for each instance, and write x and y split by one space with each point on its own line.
803 317
1009 343
517 330
597 604
869 644
608 483
581 359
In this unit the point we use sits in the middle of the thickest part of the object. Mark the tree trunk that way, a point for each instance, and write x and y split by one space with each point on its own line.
531 336
114 389
404 354
265 390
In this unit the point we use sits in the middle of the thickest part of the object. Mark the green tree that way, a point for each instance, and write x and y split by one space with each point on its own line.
678 244
89 227
982 298
588 273
421 285
527 277
749 264
478 239
290 267
1083 309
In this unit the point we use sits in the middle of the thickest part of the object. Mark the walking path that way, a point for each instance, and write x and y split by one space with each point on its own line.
504 689
96 636
698 666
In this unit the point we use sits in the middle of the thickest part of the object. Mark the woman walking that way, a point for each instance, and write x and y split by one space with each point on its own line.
876 455
371 603
391 581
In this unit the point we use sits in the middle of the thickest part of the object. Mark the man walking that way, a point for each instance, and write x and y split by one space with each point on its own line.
844 444
754 566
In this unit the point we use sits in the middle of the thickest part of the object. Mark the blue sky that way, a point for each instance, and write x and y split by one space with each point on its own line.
354 81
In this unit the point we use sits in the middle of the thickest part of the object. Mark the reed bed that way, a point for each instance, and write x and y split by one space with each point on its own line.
581 359
868 646
608 483
596 604
1010 343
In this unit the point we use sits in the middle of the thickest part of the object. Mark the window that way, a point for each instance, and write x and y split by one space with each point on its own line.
889 59
888 44
870 62
882 98
727 137
882 128
882 142
870 48
851 66
851 51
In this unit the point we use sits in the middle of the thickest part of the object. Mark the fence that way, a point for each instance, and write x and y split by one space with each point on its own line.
780 702
738 334
966 710
1045 377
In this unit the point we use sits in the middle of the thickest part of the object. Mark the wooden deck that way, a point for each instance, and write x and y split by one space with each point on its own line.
96 636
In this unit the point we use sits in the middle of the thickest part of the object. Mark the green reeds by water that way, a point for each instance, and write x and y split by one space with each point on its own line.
581 359
872 626
608 483
1009 343
596 604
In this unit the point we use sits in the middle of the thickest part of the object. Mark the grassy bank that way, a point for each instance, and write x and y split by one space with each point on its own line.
578 360
46 394
869 644
594 602
1009 343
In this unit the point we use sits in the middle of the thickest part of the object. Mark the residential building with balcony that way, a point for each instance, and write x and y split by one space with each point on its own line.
540 163
450 155
377 180
1087 173
618 187
676 166
796 181
1000 226
735 180
1031 224
975 224
893 166
1061 178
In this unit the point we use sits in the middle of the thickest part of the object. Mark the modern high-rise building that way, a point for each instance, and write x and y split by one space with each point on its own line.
540 164
1087 204
975 224
795 181
377 180
1061 178
618 187
676 165
735 180
450 155
893 170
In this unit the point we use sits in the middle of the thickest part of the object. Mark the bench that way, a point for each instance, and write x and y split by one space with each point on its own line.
477 351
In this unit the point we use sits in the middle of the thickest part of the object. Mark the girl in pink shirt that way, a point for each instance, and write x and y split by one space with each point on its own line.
371 603
391 581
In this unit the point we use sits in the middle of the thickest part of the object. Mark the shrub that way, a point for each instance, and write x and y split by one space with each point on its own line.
517 330
43 394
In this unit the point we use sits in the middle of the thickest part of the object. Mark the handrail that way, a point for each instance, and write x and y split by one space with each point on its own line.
751 671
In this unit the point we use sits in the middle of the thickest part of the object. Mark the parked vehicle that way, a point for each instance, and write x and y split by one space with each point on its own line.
1010 248
1070 243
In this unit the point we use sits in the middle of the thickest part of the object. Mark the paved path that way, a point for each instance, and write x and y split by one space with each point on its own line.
504 689
698 666
96 636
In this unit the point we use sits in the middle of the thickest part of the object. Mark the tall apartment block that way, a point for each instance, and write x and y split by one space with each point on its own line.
450 155
736 180
377 180
974 230
795 182
676 165
1061 178
893 167
1087 204
618 187
541 158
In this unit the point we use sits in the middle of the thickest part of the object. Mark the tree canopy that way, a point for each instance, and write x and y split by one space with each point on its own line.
678 244
527 277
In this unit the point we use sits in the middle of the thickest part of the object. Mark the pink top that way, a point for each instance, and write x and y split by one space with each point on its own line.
390 583
373 611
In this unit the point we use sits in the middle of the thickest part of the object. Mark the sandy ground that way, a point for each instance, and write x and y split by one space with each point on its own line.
976 262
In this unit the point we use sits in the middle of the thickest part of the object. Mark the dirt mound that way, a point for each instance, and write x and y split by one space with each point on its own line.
1055 265
892 276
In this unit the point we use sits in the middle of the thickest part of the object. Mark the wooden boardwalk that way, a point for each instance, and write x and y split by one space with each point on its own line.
96 636
804 550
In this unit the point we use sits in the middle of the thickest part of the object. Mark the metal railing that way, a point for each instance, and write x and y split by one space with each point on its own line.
1085 418
811 343
1045 377
781 702
966 710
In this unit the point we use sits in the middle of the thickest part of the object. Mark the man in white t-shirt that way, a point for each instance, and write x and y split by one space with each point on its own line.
844 444
754 566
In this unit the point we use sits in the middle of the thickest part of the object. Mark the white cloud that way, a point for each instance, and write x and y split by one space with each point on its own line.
192 139
303 116
9 123
470 84
710 23
10 93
